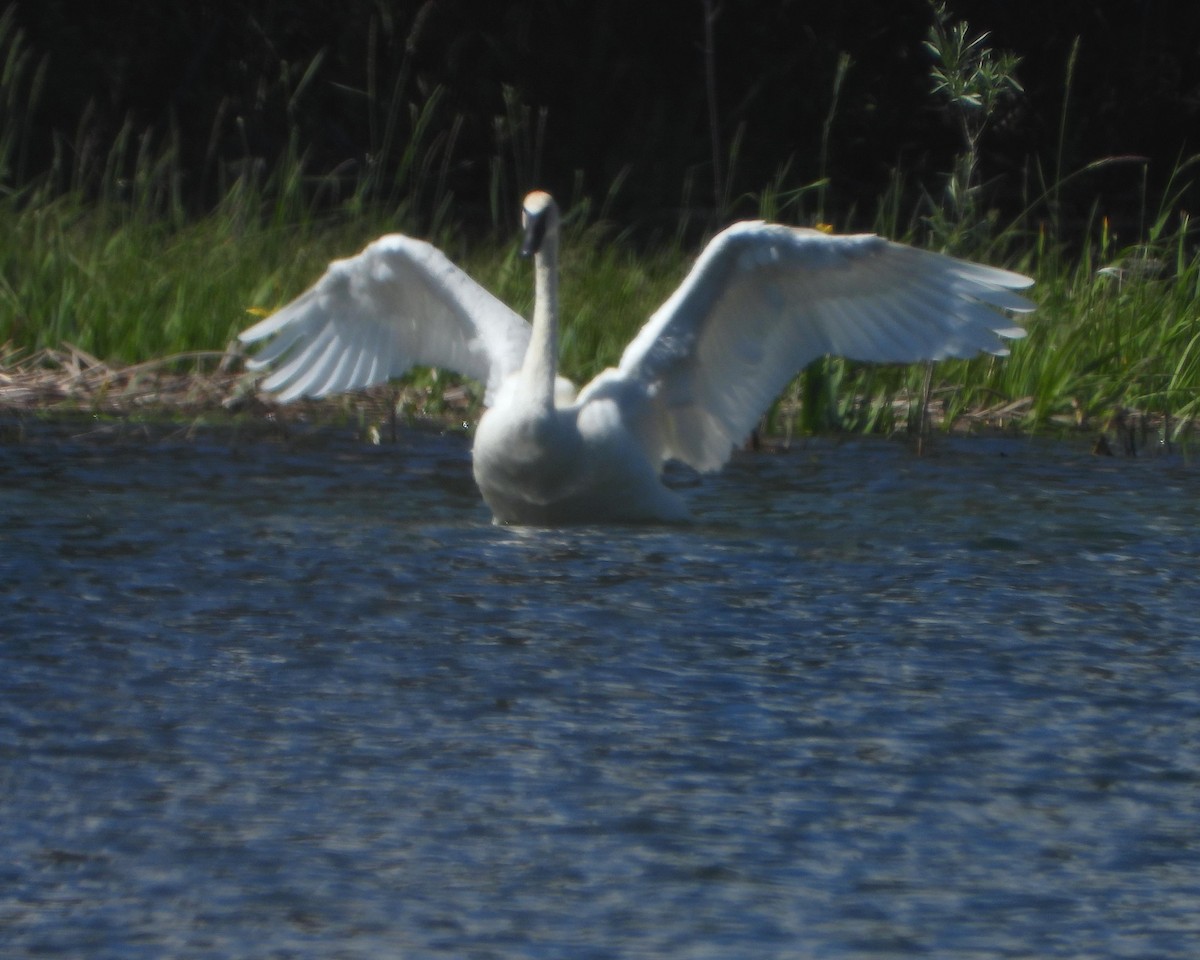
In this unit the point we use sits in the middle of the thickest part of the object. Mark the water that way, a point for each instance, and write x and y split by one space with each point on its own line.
291 700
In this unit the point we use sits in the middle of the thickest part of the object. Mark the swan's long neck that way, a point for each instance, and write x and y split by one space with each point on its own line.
541 357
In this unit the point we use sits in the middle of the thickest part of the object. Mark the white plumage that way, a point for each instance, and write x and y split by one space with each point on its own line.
761 302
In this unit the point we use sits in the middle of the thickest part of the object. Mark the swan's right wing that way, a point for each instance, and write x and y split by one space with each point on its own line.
398 304
764 300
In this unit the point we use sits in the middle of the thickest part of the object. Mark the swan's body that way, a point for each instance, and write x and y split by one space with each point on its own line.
761 302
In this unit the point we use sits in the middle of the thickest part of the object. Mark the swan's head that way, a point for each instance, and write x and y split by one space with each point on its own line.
539 217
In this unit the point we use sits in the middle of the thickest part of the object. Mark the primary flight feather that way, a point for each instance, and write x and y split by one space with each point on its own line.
761 302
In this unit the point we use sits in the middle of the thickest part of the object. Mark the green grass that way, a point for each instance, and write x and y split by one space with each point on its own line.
129 291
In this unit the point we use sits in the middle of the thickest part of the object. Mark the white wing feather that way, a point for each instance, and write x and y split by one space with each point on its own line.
398 304
764 300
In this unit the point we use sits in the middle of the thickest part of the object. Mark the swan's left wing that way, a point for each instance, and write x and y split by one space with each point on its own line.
398 304
764 300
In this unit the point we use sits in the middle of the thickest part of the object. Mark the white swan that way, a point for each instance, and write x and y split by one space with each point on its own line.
761 302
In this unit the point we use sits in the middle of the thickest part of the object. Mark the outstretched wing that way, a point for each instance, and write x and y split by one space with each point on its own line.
764 300
371 317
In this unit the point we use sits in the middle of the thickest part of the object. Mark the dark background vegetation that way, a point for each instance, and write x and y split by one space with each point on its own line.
622 84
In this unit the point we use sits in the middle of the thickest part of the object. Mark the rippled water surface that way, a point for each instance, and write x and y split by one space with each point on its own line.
288 700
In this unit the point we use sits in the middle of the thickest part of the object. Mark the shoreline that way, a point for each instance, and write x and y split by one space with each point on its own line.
211 388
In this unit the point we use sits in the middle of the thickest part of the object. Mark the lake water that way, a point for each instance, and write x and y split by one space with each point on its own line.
265 699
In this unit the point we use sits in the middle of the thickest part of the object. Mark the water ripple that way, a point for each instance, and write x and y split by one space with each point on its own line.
290 701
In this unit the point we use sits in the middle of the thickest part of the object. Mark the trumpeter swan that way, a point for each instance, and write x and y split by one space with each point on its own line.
761 302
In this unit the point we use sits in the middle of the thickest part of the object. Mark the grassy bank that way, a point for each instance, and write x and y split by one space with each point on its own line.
1117 329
